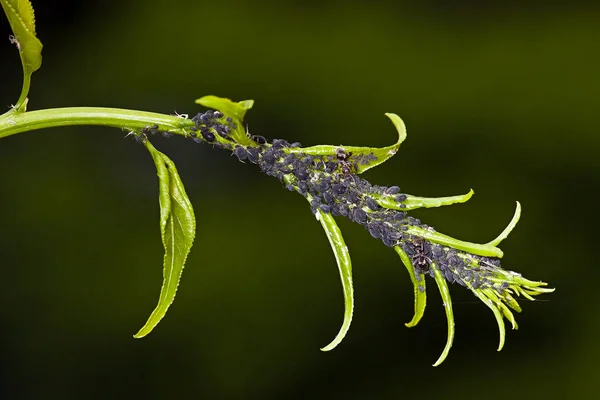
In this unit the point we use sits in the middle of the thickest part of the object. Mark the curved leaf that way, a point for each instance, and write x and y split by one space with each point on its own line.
22 21
445 293
342 257
413 202
367 157
499 319
177 228
486 250
419 287
509 228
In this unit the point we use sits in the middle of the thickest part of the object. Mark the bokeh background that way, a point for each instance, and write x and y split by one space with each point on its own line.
500 97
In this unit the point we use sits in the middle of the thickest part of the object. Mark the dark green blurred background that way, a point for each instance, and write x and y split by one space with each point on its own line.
501 98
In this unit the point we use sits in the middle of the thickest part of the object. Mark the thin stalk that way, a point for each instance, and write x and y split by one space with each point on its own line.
133 120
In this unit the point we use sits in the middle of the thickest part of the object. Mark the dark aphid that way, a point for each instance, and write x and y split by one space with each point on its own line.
296 144
257 138
228 119
207 135
343 210
339 189
329 199
195 138
302 187
448 275
301 174
330 166
374 231
359 215
400 197
268 159
217 114
353 197
241 153
140 137
307 160
372 204
335 211
280 143
388 242
253 154
322 186
206 117
150 130
219 129
392 190
325 208
289 159
290 187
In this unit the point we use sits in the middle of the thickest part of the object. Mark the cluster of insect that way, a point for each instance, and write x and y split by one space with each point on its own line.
331 184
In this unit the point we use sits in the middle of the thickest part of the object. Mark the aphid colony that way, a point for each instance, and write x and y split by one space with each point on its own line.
332 186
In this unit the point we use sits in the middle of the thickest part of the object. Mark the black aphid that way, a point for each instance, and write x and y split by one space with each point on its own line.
400 197
329 199
280 143
307 160
258 139
140 137
338 189
392 190
330 166
207 135
359 215
253 153
322 186
301 173
302 187
372 204
374 231
241 153
325 208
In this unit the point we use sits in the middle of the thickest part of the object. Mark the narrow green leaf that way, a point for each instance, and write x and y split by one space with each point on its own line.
509 228
499 319
413 202
342 257
445 293
177 228
369 156
485 250
22 21
419 287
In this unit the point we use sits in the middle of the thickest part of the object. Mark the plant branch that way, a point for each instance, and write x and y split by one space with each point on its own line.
133 120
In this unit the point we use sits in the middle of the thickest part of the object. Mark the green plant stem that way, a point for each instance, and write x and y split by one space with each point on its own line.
133 120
